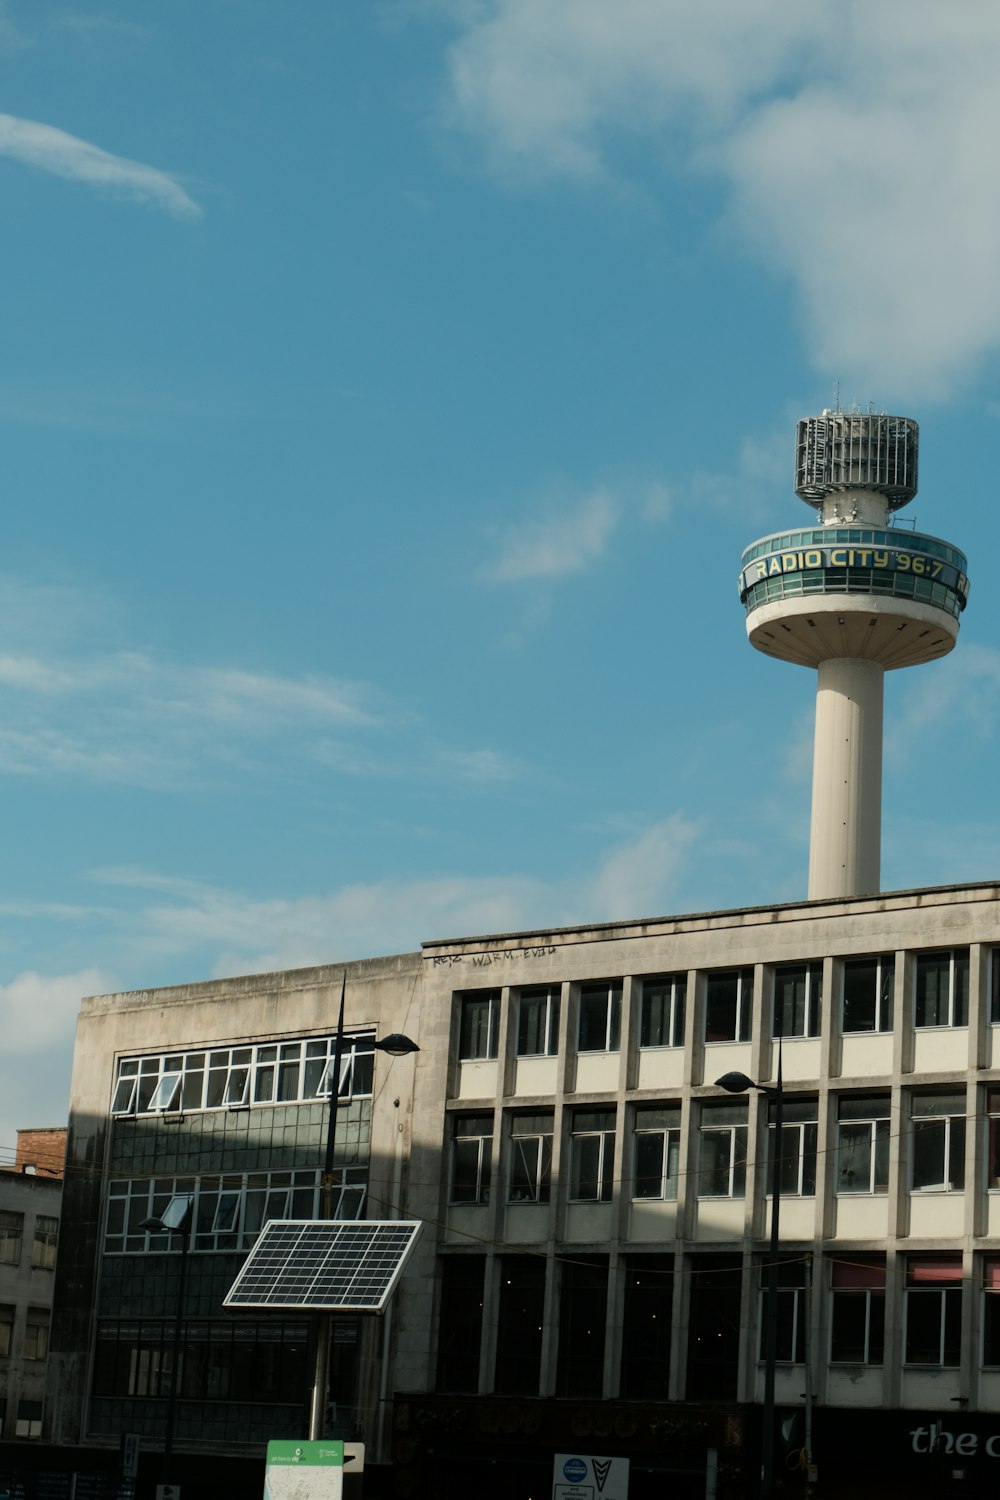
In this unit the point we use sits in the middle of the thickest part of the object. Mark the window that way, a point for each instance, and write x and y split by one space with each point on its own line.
43 1248
600 1017
993 1139
460 1326
933 1310
583 1320
792 1312
657 1150
942 996
531 1158
592 1148
237 1360
6 1330
471 1148
728 1006
538 1022
995 987
11 1230
647 1321
232 1077
661 1016
723 1150
797 1153
480 1026
991 1310
938 1141
857 1314
36 1333
519 1325
29 1419
868 986
229 1211
798 1000
863 1143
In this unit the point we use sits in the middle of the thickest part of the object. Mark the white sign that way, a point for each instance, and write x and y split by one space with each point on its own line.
130 1454
582 1476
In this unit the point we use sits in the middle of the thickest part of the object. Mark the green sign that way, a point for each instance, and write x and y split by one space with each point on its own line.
304 1470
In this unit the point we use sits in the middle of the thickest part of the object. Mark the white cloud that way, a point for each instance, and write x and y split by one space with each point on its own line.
37 1010
559 543
857 143
642 875
134 718
232 933
52 150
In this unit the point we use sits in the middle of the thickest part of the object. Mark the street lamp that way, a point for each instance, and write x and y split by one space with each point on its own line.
175 1219
394 1045
739 1083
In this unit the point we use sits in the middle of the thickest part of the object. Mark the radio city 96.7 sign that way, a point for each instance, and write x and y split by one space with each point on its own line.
830 559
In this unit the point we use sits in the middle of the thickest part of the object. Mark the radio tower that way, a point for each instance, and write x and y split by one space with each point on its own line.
853 597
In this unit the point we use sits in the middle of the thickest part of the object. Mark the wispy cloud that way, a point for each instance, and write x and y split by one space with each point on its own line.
141 719
37 1010
855 142
232 933
561 542
63 155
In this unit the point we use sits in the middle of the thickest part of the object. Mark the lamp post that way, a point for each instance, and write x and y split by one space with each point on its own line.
739 1083
394 1045
175 1219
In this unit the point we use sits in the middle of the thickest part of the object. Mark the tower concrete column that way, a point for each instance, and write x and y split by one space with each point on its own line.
845 837
853 596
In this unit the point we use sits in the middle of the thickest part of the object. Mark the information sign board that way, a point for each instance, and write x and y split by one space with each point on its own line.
304 1470
584 1476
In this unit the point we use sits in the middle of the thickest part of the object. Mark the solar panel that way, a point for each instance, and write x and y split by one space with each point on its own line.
340 1265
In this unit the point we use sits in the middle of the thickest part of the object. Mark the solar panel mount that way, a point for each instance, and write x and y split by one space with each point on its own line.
326 1265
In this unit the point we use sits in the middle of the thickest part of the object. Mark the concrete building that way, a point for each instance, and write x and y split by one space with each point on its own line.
30 1199
591 1275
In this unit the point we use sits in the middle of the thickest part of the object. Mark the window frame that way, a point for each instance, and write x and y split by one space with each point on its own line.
44 1242
235 1077
606 1034
474 1043
948 1291
548 998
742 1004
882 999
480 1154
11 1237
592 1139
535 1158
791 1293
957 1005
809 1023
735 1129
292 1193
673 1006
37 1328
804 1132
647 1128
863 1278
950 1125
879 1132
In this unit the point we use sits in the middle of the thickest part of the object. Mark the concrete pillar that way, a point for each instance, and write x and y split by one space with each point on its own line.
846 830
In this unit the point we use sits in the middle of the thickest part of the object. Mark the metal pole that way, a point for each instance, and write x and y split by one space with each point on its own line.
317 1403
175 1371
771 1322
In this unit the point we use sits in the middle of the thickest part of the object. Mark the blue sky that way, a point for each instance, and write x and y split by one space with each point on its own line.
389 391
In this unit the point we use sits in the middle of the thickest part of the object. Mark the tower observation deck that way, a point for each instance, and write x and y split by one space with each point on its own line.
852 596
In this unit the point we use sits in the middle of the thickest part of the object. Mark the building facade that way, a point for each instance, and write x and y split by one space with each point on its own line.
30 1206
595 1207
220 1090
